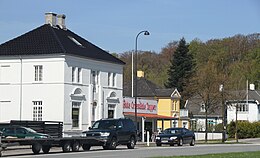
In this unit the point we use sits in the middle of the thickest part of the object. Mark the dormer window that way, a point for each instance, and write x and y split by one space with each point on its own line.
75 41
202 108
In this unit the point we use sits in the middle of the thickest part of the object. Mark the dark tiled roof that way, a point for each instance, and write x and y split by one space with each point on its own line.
194 107
53 40
146 88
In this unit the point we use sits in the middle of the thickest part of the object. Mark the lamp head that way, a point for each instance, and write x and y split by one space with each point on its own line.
146 33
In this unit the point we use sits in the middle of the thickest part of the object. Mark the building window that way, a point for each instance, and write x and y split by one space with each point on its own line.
79 75
73 74
109 79
242 108
111 110
95 79
37 110
75 114
114 80
184 124
174 123
174 106
202 108
38 73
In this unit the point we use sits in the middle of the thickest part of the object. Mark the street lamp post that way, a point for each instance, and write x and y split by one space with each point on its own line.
134 71
221 89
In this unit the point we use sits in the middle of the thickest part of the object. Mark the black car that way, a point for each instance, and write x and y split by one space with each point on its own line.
13 131
111 132
178 136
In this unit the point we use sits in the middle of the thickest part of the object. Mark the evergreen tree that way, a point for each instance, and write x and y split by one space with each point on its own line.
181 67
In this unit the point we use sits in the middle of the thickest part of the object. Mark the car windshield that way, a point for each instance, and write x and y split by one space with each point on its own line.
30 130
172 131
105 124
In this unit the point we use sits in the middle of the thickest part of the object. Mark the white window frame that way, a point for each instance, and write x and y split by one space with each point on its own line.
202 107
38 72
37 110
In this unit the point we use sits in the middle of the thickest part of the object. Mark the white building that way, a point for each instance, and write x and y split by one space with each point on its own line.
52 74
248 106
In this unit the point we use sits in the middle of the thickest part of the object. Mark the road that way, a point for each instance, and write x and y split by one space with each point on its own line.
139 152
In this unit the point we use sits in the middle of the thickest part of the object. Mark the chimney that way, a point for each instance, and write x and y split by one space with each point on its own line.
140 74
252 87
61 21
50 18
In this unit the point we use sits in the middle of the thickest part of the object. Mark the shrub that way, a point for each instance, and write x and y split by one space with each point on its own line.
245 129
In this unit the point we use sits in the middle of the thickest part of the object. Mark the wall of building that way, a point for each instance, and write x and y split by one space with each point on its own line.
56 90
251 115
19 88
164 108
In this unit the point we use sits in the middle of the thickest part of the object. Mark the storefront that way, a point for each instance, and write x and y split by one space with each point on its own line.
146 115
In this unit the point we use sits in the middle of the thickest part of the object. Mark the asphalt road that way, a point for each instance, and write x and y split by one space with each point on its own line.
138 152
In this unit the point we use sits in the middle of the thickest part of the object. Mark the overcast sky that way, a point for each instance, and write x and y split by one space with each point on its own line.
113 24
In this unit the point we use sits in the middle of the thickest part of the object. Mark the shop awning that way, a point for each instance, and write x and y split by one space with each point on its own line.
154 116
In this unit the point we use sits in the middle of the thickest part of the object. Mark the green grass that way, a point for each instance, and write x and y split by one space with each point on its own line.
255 154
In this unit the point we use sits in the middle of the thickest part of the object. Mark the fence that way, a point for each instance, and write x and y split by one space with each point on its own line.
211 136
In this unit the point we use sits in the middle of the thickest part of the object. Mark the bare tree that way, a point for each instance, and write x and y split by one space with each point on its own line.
206 86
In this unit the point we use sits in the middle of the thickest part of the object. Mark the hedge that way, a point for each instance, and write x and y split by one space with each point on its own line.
245 129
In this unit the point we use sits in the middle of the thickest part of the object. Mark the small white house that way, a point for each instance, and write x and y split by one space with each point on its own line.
245 109
52 74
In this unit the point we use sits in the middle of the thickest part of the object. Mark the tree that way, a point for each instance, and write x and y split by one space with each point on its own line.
181 67
206 86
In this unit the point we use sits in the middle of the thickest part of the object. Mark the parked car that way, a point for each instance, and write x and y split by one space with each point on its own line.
177 136
12 131
111 132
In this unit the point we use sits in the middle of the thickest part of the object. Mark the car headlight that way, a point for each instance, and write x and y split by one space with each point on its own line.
157 138
83 135
172 138
43 136
104 134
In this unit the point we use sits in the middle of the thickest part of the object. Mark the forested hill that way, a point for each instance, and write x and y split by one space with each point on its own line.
234 60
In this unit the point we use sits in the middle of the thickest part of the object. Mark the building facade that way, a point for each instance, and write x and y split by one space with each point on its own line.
52 74
245 106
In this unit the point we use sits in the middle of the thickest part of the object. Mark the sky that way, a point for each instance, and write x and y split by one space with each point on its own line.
114 24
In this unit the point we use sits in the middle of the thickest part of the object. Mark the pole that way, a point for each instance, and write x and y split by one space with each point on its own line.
135 73
223 115
21 89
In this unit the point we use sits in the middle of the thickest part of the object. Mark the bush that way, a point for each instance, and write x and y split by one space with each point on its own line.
245 129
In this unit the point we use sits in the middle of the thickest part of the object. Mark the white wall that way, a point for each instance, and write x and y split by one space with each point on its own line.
251 115
49 91
56 89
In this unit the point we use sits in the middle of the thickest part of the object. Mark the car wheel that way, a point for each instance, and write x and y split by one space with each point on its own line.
113 144
46 149
192 143
75 146
180 142
86 147
105 147
36 148
66 147
131 144
158 144
171 144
